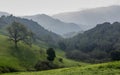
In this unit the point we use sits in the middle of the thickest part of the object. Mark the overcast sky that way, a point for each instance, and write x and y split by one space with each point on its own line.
50 7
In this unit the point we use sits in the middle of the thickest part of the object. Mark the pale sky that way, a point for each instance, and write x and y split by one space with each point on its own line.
50 7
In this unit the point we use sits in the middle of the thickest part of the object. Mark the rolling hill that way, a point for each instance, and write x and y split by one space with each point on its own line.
89 18
40 33
55 25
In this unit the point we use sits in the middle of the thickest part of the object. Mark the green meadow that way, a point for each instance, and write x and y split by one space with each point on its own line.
25 57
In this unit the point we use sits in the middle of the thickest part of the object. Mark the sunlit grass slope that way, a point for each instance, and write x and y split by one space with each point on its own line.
112 68
25 57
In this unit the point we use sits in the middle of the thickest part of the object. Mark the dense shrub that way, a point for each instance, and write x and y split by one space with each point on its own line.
115 55
4 69
45 65
60 60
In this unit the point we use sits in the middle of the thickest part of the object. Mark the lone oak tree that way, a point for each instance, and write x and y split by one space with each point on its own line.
18 32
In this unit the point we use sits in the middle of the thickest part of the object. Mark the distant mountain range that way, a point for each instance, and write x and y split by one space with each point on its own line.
55 25
89 18
65 23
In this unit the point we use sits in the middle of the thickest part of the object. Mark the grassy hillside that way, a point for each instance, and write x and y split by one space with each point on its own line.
20 58
25 57
112 68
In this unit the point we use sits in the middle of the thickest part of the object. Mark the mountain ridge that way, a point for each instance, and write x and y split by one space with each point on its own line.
54 25
89 18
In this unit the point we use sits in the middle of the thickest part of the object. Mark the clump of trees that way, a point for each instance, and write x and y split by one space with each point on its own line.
42 65
77 55
46 65
18 32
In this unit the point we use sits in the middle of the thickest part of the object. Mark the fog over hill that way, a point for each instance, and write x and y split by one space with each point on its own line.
91 17
3 13
55 25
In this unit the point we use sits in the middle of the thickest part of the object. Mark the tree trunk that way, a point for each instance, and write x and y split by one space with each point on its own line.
16 46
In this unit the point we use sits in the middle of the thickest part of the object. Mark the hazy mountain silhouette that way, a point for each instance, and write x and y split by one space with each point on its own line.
54 25
91 17
4 13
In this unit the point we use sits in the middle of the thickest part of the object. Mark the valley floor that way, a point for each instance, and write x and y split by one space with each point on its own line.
111 68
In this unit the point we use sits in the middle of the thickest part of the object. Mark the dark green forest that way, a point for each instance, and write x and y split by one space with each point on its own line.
98 44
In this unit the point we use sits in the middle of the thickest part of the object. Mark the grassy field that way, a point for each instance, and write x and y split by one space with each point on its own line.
112 68
26 57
